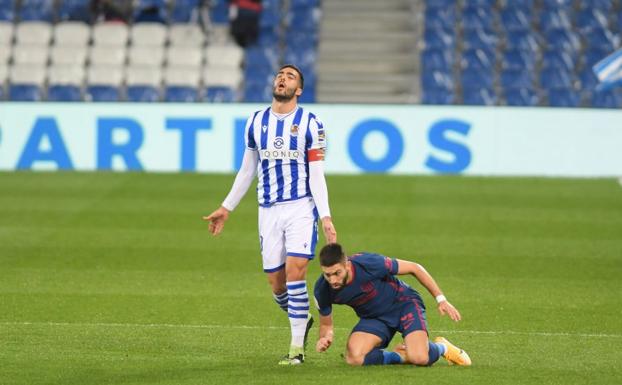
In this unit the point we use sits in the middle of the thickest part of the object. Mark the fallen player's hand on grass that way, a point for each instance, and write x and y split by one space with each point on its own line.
445 308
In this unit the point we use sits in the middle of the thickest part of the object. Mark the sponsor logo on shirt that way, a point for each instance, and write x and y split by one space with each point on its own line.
280 154
278 142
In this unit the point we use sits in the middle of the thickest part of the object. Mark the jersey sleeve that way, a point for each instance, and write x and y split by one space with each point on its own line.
321 295
316 135
249 133
379 266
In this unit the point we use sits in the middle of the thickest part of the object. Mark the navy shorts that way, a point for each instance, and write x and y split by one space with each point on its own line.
407 316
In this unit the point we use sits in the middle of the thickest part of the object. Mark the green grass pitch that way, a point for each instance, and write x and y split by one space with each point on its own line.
114 279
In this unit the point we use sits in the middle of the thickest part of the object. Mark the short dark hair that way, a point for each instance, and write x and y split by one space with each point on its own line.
295 68
332 254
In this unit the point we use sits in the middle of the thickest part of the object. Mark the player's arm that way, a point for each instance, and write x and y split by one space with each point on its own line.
326 333
242 182
422 275
317 181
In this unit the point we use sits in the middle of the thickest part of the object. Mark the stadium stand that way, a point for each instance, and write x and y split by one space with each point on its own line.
477 52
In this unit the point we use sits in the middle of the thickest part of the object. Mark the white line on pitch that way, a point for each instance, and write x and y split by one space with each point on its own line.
198 326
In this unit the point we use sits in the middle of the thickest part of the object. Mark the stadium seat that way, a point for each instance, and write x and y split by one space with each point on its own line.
257 94
181 84
220 95
439 38
64 93
148 34
440 3
478 59
561 39
104 83
592 56
75 10
264 58
474 78
590 18
555 18
556 78
33 32
107 55
68 55
146 55
480 39
30 54
219 12
303 57
66 75
5 54
522 40
514 19
437 96
602 39
561 97
433 58
601 5
437 80
185 11
7 11
26 83
476 18
588 79
143 83
443 18
556 58
521 97
73 33
607 99
184 56
479 96
110 34
517 60
224 55
214 76
186 35
150 11
42 10
6 33
517 78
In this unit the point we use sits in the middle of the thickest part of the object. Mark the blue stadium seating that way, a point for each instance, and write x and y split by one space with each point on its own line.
607 99
518 60
476 18
522 40
562 39
181 94
103 94
262 57
7 10
551 78
480 39
599 38
439 38
474 78
77 10
42 10
560 97
524 5
25 93
219 12
437 96
151 11
557 4
514 19
433 58
440 3
182 11
603 5
308 95
479 97
303 57
437 80
590 18
145 94
1 91
557 59
555 18
257 93
444 18
521 97
219 95
517 78
64 93
592 56
478 59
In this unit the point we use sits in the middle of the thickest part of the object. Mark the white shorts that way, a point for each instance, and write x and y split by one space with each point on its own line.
287 228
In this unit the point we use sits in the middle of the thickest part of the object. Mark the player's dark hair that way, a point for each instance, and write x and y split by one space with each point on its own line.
292 66
332 254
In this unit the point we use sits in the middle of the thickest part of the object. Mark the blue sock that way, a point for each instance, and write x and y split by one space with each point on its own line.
391 358
375 357
281 299
434 352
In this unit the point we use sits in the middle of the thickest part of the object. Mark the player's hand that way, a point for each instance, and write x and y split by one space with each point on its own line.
445 308
323 344
330 234
217 220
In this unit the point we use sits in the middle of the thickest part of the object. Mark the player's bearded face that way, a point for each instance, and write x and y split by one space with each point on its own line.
337 275
282 92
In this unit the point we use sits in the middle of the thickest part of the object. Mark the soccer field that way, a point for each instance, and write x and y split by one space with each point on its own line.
114 279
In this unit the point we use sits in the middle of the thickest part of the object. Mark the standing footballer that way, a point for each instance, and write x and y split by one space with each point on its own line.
285 147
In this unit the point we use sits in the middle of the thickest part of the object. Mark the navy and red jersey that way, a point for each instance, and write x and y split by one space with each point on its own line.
373 291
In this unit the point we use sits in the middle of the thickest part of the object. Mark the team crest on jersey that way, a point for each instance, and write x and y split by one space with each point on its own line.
294 129
278 142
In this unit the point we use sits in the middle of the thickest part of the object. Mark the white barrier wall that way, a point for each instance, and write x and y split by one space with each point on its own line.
361 138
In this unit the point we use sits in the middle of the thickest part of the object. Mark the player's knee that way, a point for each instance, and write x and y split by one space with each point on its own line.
418 358
354 359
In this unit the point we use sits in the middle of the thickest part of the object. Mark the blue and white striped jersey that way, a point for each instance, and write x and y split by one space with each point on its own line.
282 144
